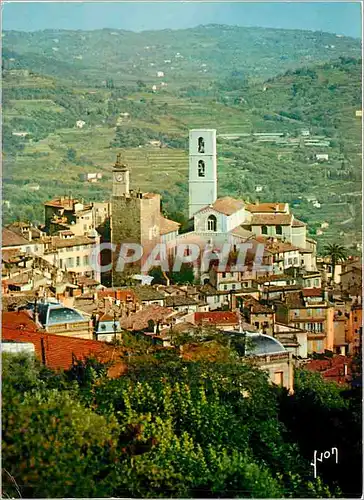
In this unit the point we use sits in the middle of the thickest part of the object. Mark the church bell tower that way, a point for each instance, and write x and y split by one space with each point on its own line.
120 178
202 169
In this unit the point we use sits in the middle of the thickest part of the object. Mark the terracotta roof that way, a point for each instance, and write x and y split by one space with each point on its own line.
274 277
226 205
146 292
84 280
12 239
61 203
209 290
256 306
61 351
140 319
167 225
265 207
312 292
240 231
279 247
11 255
57 242
331 368
19 320
216 318
271 220
298 223
179 300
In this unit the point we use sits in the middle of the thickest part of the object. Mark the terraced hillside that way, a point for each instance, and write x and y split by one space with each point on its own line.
44 146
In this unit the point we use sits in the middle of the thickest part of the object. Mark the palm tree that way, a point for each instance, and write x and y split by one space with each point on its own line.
337 253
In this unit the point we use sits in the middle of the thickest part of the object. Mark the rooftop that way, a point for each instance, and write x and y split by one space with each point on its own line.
271 220
226 205
261 208
167 225
58 242
60 351
146 292
216 318
179 300
298 223
256 306
12 239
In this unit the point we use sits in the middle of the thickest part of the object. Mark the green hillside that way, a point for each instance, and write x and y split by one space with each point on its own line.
42 144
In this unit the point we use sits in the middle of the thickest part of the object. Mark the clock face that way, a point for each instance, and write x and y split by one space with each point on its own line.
119 177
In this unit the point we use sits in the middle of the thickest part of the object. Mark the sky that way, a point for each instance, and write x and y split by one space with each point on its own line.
336 17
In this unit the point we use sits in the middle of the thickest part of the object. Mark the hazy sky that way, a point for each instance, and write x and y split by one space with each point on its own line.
337 17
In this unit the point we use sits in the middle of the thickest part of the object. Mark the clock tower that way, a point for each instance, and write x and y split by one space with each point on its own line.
120 178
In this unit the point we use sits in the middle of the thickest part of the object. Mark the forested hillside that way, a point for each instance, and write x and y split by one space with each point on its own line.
241 81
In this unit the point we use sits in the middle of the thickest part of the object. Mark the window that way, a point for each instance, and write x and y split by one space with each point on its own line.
264 230
295 260
223 275
201 145
201 168
316 283
85 260
279 230
70 262
225 287
60 263
211 223
233 286
77 261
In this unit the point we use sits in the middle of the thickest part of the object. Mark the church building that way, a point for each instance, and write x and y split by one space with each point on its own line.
228 220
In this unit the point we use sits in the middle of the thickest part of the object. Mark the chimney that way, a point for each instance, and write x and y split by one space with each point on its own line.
256 202
277 207
345 369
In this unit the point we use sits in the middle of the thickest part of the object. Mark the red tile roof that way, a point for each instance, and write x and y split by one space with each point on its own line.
19 320
266 207
60 351
226 205
332 368
256 306
61 203
11 239
279 247
216 318
298 223
167 225
140 319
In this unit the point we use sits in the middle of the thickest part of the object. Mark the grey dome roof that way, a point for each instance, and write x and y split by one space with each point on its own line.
259 344
51 313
